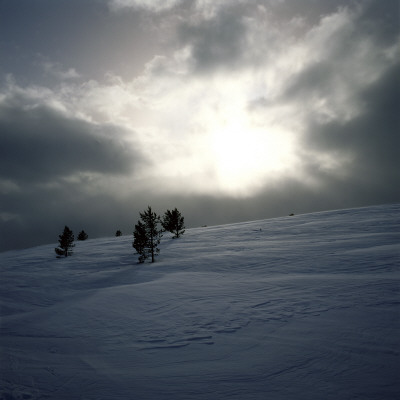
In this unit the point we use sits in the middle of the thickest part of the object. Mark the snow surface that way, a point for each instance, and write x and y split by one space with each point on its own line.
301 307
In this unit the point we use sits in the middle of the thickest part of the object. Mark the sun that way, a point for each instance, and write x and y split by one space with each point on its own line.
246 155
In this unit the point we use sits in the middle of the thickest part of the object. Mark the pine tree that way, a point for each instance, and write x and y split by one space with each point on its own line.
66 243
173 222
82 235
140 241
147 236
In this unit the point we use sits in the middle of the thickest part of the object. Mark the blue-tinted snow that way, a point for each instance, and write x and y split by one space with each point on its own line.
301 307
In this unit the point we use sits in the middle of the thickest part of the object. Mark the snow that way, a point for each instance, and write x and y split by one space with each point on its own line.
299 307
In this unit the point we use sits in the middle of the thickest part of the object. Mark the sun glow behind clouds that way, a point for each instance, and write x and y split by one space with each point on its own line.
206 136
246 156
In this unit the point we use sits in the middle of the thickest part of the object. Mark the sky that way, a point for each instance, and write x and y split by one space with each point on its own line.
228 110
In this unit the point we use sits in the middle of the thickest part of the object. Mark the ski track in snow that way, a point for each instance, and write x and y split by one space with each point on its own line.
300 307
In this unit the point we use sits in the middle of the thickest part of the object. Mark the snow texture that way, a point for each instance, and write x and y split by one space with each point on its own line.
298 307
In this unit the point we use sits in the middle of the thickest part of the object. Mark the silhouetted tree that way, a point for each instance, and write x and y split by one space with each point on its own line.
140 241
174 222
118 233
66 243
147 236
82 235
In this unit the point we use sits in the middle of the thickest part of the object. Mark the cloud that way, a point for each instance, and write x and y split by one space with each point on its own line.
326 87
230 109
41 143
207 8
217 41
371 139
57 71
152 5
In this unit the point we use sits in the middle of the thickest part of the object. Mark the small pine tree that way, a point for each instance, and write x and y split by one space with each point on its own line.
66 243
147 236
173 222
118 233
82 235
140 241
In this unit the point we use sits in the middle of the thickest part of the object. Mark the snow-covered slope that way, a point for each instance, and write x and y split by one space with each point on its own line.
301 307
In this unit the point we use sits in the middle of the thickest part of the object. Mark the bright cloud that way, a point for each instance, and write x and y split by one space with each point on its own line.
153 5
236 129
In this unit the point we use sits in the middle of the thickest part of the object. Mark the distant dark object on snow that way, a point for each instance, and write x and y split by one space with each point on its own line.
291 215
118 233
82 235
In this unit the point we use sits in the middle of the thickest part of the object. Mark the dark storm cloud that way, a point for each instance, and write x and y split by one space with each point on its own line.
318 78
372 139
216 42
40 144
368 142
381 19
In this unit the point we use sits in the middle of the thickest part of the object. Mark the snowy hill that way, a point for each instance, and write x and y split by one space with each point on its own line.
301 307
